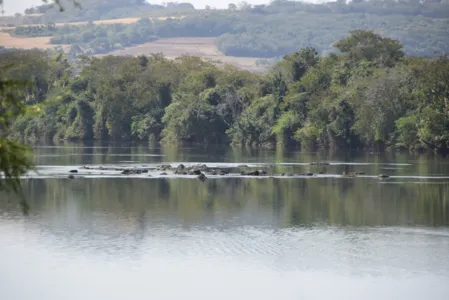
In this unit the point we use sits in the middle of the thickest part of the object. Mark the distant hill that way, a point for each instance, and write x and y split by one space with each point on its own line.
264 31
91 10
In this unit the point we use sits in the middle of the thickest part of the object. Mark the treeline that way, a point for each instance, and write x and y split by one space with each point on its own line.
265 31
107 9
370 96
426 8
103 38
89 10
36 30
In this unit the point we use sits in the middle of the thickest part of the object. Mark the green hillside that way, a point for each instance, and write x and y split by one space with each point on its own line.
260 31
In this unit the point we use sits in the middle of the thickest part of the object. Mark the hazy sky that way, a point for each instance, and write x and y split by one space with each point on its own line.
14 6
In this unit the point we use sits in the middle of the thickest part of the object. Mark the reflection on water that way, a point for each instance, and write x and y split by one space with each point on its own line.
233 202
240 238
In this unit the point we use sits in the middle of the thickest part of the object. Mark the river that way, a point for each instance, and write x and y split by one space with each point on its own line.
327 236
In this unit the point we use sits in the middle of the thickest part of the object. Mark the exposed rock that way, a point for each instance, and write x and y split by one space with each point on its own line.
254 173
383 176
73 171
178 172
360 173
163 174
350 174
319 163
181 166
217 172
163 167
71 177
201 167
195 172
202 177
242 166
133 171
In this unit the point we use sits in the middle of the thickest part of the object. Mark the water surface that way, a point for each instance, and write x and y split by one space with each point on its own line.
229 237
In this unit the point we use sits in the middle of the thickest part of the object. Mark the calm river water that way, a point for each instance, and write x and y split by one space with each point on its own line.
229 237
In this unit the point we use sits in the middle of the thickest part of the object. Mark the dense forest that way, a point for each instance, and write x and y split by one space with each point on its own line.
369 96
264 30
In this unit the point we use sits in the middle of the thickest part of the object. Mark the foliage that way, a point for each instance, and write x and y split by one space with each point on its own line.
369 95
14 95
14 157
264 31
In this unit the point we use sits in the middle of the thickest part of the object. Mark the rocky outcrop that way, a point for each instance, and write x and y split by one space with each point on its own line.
352 174
254 173
134 171
163 167
319 163
220 172
202 177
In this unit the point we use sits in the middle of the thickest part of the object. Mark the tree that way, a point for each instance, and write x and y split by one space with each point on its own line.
232 6
433 110
366 45
14 157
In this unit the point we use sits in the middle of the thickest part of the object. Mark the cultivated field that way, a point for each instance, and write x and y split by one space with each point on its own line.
116 21
8 41
170 48
202 47
26 22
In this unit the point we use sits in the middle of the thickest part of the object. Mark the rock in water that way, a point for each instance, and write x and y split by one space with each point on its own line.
163 167
73 171
71 177
254 173
181 166
202 177
383 176
195 172
319 163
350 174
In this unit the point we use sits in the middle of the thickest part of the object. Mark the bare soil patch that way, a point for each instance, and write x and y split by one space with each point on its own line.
116 21
99 22
202 47
8 41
